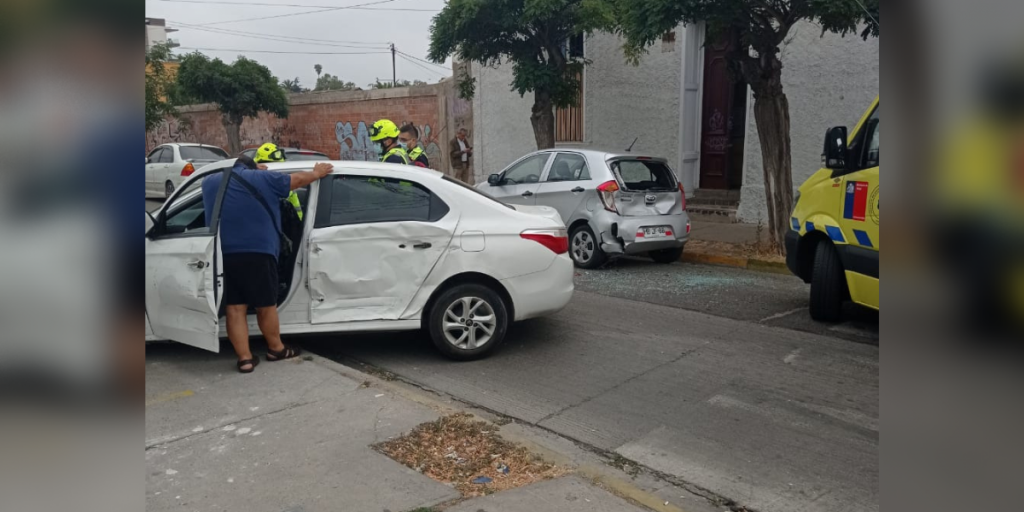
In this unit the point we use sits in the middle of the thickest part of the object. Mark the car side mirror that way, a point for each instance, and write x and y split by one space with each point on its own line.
834 154
494 180
147 159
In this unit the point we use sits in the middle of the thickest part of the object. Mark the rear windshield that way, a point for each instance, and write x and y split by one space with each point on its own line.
305 157
645 175
202 153
467 187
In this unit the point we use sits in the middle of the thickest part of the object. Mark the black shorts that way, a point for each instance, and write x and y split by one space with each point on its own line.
250 278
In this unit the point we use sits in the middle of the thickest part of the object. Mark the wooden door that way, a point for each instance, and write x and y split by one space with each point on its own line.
716 116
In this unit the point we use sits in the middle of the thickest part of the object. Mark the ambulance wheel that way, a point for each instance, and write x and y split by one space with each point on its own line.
828 284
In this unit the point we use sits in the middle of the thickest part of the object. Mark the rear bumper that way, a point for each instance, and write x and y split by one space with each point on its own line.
542 293
618 234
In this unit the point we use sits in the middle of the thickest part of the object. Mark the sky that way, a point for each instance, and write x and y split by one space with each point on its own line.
344 41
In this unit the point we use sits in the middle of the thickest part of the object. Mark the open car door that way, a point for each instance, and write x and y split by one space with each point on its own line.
184 268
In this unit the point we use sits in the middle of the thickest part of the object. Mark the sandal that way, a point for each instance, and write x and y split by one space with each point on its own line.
252 363
287 353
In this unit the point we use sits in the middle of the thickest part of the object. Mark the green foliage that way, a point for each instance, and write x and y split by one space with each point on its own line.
318 68
401 83
528 34
329 82
293 86
762 24
242 89
159 86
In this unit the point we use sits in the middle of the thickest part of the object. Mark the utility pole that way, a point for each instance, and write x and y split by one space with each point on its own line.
394 74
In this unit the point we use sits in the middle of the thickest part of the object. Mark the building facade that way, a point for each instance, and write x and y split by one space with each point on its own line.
156 32
680 103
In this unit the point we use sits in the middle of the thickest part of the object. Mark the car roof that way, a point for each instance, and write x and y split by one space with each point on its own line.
192 144
601 154
341 166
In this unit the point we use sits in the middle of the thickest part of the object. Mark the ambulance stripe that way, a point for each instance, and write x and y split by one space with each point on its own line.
862 238
835 234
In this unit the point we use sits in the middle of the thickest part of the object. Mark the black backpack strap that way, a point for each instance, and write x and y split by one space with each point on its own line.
287 243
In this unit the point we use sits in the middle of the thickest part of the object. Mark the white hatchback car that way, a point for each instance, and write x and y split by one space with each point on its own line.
168 165
382 247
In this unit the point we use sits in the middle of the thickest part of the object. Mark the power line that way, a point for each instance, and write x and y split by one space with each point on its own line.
284 39
421 65
296 13
279 36
425 61
277 51
301 5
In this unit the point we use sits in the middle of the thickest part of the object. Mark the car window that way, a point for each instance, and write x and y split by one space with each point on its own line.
527 171
166 156
477 191
364 200
251 153
186 214
569 167
305 157
153 155
871 157
202 153
645 175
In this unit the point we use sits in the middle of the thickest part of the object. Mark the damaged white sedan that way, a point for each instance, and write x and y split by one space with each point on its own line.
381 247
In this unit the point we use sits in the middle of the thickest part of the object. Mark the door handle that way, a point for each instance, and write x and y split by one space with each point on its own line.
424 245
198 265
577 189
527 193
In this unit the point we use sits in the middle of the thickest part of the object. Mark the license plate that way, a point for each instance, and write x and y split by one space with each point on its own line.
657 232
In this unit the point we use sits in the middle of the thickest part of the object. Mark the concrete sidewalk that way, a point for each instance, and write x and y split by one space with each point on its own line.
295 436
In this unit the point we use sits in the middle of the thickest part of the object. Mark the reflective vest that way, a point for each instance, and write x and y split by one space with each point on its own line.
415 153
293 198
396 151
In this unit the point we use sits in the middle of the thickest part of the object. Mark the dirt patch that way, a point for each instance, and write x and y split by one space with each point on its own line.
750 250
459 451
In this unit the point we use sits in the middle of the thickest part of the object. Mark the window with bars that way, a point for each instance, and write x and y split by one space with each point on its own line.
569 120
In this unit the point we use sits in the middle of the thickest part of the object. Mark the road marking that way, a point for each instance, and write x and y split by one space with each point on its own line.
169 397
777 316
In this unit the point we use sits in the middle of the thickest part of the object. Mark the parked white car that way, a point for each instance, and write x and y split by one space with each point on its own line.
382 247
168 165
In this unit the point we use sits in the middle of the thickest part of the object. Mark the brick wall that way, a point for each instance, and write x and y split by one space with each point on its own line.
335 123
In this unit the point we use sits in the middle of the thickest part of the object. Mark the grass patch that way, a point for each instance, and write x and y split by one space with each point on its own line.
456 450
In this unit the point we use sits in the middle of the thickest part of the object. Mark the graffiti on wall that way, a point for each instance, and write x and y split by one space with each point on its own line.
356 144
171 130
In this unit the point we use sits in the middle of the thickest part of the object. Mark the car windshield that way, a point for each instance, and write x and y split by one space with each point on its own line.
202 153
305 156
488 196
645 175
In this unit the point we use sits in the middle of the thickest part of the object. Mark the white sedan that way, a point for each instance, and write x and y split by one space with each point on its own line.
382 247
168 165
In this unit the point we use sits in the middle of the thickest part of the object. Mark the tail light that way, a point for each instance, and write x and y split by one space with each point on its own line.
555 239
606 191
188 169
682 193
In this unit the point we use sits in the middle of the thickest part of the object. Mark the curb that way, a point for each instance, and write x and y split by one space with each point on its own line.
755 264
597 475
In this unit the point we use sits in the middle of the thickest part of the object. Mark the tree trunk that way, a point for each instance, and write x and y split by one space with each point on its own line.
232 127
543 120
771 114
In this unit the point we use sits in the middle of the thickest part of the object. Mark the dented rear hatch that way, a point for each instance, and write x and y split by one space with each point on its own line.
647 186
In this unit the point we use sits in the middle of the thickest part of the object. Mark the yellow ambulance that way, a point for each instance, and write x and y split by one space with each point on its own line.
833 239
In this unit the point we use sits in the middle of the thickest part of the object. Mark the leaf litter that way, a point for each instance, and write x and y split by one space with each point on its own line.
456 450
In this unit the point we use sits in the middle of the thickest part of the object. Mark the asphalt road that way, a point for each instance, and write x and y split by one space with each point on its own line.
751 402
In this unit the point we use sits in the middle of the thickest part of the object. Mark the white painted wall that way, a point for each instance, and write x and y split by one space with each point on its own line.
829 81
501 121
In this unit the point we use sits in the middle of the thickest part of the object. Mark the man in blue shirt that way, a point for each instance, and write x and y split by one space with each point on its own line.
250 244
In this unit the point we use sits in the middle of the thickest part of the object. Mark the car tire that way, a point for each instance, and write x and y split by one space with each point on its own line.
666 256
828 284
448 318
168 189
585 249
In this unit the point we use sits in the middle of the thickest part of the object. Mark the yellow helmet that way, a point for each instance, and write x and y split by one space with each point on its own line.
383 129
269 153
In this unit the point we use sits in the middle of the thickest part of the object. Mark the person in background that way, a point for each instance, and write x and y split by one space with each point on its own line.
270 153
462 157
409 139
251 244
384 135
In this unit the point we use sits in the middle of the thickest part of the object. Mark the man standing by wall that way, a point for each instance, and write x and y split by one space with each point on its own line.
462 157
251 244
